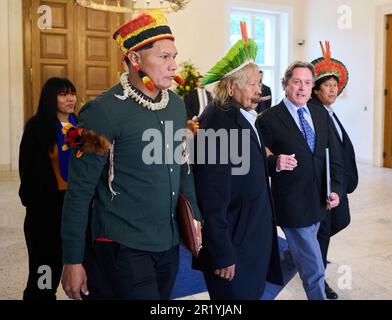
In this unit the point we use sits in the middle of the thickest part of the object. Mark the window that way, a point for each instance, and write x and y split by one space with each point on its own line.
264 28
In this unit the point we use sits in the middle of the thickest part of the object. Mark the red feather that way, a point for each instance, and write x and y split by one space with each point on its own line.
244 32
143 20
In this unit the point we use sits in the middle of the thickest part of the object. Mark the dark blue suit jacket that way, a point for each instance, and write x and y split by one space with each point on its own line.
239 225
300 195
340 216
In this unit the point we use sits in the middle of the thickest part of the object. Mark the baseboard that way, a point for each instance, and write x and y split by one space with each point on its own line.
365 161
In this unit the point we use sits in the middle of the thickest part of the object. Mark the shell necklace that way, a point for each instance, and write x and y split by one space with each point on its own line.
128 91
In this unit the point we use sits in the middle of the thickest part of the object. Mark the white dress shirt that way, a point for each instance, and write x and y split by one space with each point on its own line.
203 100
335 122
251 116
293 111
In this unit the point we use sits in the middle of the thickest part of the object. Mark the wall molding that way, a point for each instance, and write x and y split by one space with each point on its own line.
15 34
379 86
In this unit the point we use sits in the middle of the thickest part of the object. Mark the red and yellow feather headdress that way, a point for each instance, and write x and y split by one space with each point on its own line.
327 66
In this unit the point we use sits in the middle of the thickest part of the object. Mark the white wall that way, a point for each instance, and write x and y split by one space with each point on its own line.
383 8
359 49
15 79
11 82
5 156
202 29
201 35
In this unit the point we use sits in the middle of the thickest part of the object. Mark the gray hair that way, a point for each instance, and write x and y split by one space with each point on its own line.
290 69
239 78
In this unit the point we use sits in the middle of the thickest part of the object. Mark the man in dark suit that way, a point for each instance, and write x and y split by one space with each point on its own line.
196 100
240 246
298 138
325 92
265 96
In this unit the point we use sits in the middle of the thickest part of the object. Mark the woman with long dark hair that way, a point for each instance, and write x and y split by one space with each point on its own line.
43 169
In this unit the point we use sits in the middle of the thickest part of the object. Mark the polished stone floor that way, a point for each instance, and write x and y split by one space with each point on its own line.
361 255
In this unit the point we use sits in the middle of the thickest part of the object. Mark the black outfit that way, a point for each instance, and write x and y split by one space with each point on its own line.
264 105
340 216
239 224
192 103
43 201
122 273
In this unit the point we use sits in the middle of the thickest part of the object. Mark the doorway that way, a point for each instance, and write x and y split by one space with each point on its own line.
78 46
388 96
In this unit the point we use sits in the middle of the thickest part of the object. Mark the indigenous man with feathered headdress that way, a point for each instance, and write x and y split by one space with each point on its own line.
240 249
135 187
331 80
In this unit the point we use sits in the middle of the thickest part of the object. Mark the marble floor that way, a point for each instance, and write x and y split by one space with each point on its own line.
361 255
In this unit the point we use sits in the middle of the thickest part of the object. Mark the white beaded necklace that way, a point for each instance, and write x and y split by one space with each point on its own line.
128 91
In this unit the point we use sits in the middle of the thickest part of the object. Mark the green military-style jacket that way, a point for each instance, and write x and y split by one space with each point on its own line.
142 215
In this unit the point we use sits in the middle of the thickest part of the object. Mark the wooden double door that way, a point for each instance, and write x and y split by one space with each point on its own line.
78 46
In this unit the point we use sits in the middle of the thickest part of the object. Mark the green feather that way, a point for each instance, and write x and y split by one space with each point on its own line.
236 56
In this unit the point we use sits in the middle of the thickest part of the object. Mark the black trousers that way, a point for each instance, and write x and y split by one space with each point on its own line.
42 229
121 273
336 221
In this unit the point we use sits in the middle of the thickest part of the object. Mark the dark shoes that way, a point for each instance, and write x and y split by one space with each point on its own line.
330 294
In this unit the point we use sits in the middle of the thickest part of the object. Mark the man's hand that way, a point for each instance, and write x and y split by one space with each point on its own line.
74 281
333 201
286 162
198 233
226 273
193 125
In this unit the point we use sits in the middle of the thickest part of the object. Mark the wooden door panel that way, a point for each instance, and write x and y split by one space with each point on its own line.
97 52
52 51
98 21
79 46
59 14
98 78
49 71
54 46
98 48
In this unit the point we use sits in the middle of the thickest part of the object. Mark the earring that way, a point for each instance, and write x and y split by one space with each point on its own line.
179 79
230 92
146 79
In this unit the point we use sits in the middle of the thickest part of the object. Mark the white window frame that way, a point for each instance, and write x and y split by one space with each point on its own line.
283 48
